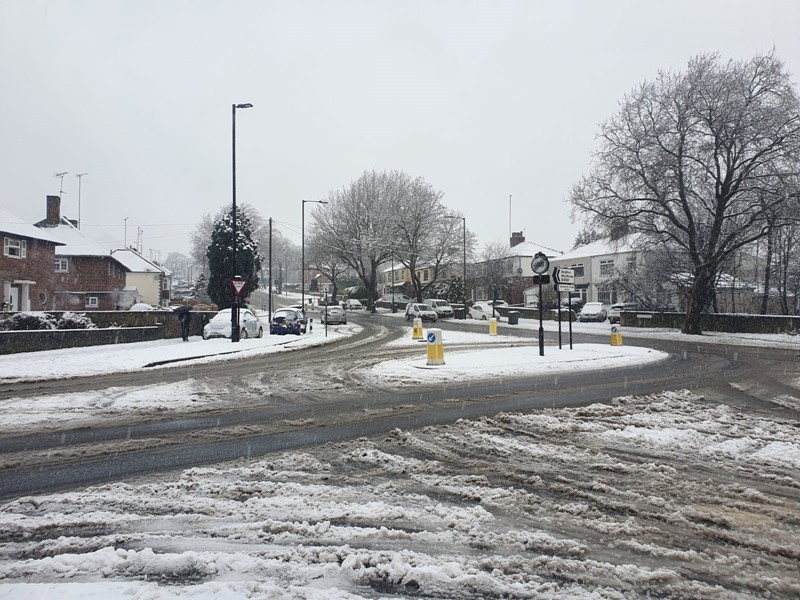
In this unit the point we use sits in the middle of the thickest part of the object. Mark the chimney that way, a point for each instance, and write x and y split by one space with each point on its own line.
516 238
53 211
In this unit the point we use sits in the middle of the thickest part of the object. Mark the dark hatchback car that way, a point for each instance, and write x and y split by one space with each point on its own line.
287 320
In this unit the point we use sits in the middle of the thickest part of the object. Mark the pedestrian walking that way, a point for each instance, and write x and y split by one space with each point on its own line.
186 320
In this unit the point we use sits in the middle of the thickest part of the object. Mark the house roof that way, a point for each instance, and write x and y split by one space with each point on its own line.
135 262
15 226
598 248
76 243
531 249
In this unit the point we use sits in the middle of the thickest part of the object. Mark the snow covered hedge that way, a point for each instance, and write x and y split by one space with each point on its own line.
35 321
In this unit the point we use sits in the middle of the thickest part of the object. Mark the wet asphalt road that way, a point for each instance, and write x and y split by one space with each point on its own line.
312 416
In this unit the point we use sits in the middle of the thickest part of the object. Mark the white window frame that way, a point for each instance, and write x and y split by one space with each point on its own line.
579 270
606 267
62 264
92 302
14 248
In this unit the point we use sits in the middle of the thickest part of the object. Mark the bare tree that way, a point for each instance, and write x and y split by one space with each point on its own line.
696 161
425 238
320 258
496 268
358 226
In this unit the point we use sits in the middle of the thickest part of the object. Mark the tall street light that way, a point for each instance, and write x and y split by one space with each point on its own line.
464 282
235 305
303 254
79 175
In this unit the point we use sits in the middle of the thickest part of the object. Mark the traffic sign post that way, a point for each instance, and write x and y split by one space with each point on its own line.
564 281
238 285
540 265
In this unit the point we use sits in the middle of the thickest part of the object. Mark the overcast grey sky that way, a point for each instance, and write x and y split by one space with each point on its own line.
483 99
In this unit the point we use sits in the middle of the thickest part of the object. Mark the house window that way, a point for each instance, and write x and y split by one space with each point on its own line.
606 268
632 263
425 275
604 296
92 302
15 248
578 269
62 265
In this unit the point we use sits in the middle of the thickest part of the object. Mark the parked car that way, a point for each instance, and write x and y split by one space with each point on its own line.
400 299
287 320
333 315
616 309
299 308
415 310
353 304
220 325
140 306
441 307
593 311
481 311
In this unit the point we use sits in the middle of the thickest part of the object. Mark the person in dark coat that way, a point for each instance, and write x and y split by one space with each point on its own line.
186 320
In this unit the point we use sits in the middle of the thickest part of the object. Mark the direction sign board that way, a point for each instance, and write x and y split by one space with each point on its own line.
564 287
563 275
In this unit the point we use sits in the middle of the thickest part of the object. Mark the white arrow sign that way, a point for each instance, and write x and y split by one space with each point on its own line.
563 275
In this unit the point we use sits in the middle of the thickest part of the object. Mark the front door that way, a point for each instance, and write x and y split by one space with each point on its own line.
13 299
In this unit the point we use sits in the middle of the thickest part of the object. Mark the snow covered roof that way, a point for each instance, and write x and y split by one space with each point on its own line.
76 243
531 249
15 226
598 248
135 262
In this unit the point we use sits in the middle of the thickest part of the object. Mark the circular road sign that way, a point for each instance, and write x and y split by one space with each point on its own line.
540 264
431 337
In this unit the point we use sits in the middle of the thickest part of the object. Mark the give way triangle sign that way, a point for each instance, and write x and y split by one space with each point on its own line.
238 285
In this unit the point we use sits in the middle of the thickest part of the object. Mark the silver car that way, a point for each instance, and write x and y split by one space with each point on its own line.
220 325
333 315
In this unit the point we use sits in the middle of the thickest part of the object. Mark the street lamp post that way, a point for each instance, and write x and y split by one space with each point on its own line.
464 281
79 175
303 253
235 305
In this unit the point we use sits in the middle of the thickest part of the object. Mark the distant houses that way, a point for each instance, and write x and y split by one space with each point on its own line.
53 265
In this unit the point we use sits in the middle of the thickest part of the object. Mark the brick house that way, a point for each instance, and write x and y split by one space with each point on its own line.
27 279
87 276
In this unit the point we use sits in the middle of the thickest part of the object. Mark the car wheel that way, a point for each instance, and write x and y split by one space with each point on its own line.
260 332
244 333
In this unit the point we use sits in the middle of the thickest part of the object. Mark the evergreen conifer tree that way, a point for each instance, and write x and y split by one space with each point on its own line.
219 253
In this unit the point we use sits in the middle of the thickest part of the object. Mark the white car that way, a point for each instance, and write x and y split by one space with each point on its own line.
220 325
140 306
441 307
481 311
415 310
593 311
353 304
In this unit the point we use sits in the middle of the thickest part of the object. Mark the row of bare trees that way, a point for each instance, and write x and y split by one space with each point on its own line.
697 166
382 217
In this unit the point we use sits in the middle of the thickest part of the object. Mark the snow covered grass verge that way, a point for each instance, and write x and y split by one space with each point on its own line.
506 362
658 496
122 358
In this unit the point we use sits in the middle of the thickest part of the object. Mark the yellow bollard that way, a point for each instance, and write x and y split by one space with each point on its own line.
416 330
435 347
616 335
493 326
